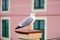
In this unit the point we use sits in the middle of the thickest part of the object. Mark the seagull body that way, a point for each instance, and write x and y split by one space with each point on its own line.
26 21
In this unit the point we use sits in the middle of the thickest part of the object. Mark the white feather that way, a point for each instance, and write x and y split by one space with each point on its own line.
27 21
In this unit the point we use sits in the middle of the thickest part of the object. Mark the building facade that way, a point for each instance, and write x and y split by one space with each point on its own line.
14 11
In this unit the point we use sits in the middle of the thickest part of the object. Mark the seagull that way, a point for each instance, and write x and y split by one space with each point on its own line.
26 21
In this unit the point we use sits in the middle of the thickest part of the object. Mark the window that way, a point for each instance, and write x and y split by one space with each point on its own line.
40 23
5 28
5 6
38 5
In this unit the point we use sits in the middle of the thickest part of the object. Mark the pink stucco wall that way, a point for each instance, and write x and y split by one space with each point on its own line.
0 26
19 9
53 26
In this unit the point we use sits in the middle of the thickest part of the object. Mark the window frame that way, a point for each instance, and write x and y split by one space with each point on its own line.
41 18
39 10
8 8
6 18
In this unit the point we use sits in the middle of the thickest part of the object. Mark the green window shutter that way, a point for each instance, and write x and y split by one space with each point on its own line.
5 29
43 35
39 4
40 25
5 4
35 25
36 4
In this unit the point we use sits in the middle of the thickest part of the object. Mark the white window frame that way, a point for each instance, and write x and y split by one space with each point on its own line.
8 8
9 28
41 18
39 10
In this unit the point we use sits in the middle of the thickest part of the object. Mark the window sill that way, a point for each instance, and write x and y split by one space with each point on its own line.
39 10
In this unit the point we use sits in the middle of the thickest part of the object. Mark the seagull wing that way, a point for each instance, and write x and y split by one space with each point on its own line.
26 21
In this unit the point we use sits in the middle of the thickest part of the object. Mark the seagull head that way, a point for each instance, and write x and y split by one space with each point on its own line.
33 15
